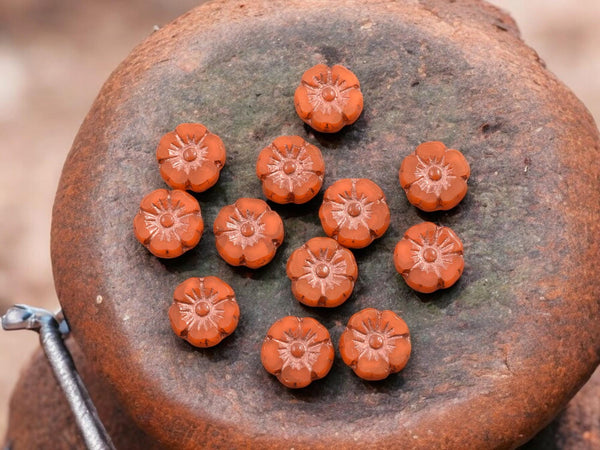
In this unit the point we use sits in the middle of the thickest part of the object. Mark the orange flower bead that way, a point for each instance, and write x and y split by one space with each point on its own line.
190 157
429 257
248 233
322 273
297 351
434 178
169 223
375 344
204 311
354 212
328 98
291 170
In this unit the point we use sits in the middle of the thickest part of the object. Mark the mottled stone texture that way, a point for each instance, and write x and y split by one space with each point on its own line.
494 358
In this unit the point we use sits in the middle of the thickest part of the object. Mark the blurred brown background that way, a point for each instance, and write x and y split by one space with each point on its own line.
54 57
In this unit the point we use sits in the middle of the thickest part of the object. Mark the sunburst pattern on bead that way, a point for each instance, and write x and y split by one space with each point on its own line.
188 308
279 160
335 265
377 341
352 210
307 341
241 221
166 220
188 152
430 255
429 183
339 93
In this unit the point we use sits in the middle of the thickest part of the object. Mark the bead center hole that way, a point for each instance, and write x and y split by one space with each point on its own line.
202 308
376 341
328 94
297 350
322 270
430 255
167 220
247 229
289 167
434 173
354 209
190 154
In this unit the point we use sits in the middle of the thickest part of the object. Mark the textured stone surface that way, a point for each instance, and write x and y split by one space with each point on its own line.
494 358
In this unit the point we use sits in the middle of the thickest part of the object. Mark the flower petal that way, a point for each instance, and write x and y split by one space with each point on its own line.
342 74
231 315
273 227
315 75
369 189
190 131
453 194
324 362
175 178
453 270
399 354
187 286
422 281
421 199
447 236
223 290
191 235
459 166
337 295
176 318
328 222
360 320
269 356
403 260
204 177
380 218
327 122
420 232
357 238
295 264
252 206
216 150
276 193
155 201
304 107
394 322
295 378
165 248
408 171
312 325
315 155
372 369
353 107
259 254
220 224
348 349
162 151
308 190
305 293
431 151
203 337
231 253
285 325
187 203
142 233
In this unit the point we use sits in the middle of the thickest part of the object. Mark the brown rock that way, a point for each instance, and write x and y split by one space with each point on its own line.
495 357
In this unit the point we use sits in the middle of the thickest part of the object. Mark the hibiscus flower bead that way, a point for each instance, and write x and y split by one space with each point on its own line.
323 273
297 351
354 212
168 223
190 157
434 177
204 311
375 344
429 257
291 170
248 233
328 98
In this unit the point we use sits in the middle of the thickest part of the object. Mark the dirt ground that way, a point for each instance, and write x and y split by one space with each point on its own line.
55 55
